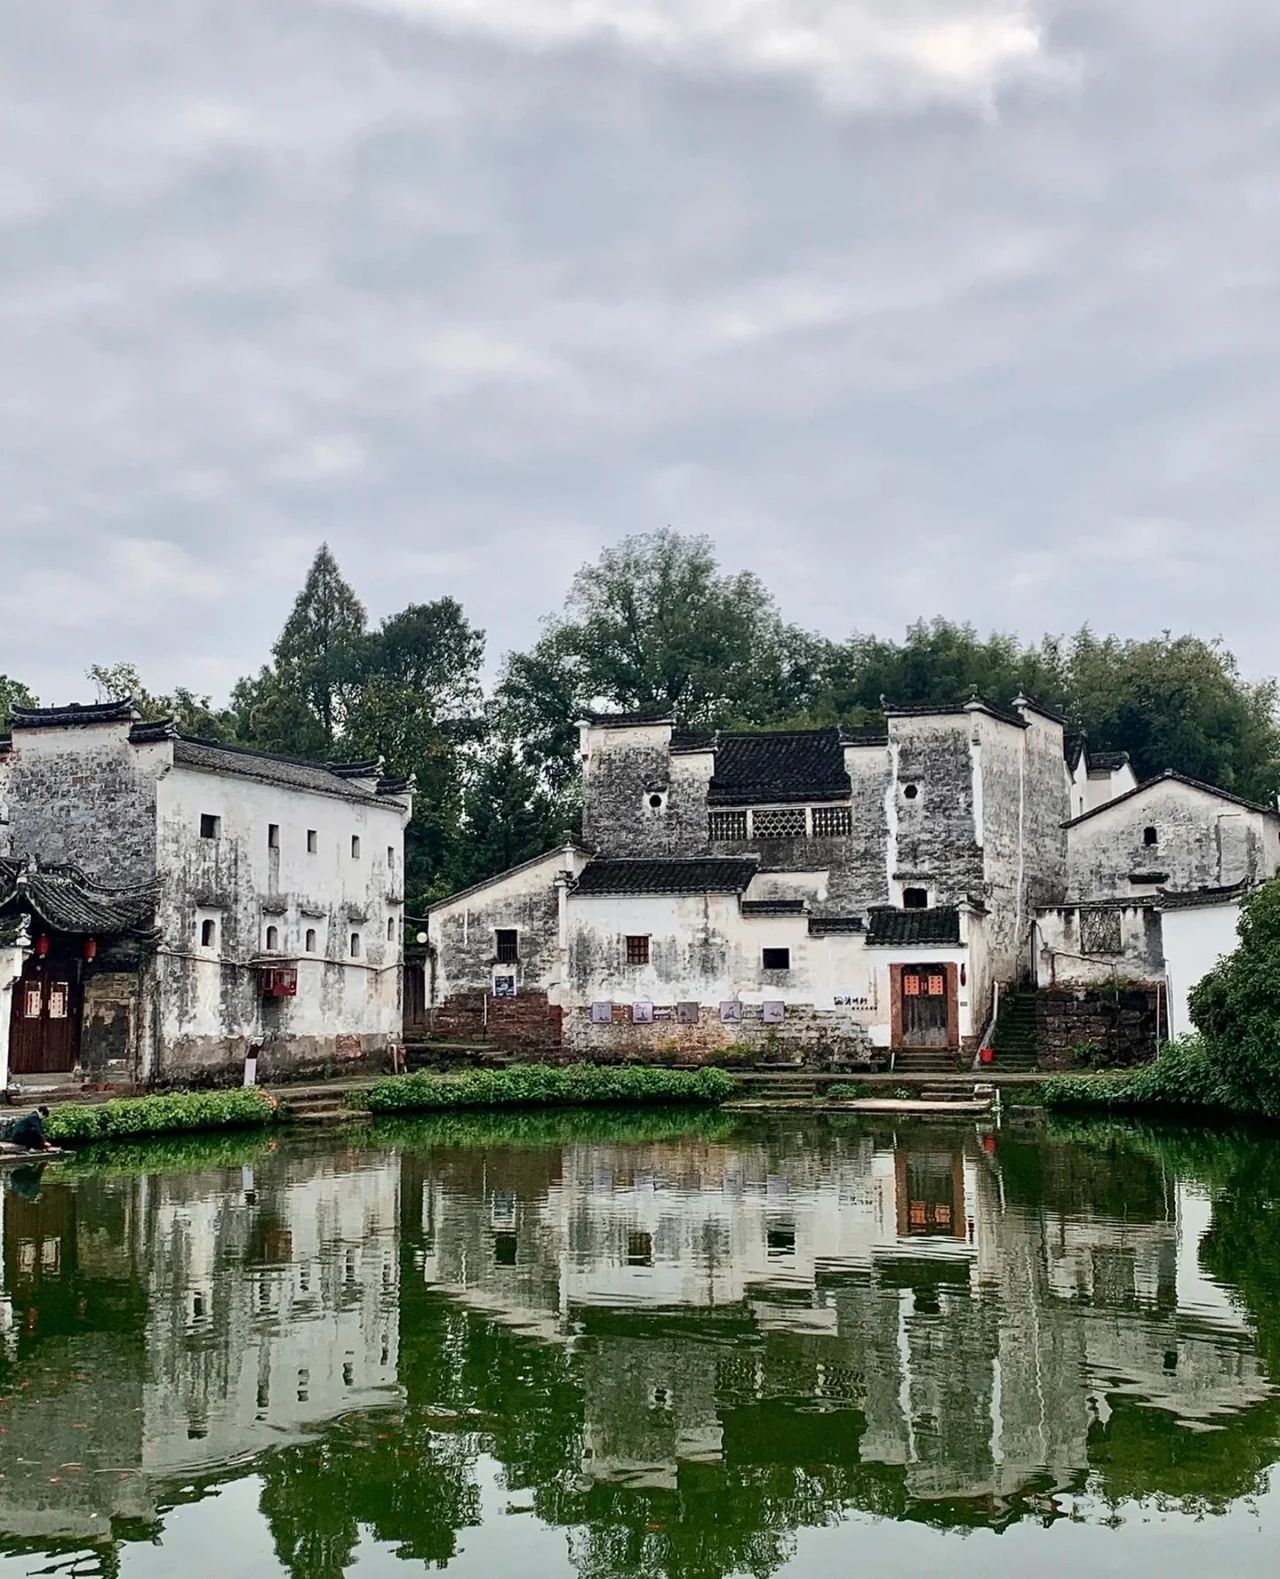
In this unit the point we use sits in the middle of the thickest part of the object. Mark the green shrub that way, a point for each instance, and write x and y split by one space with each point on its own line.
128 1117
541 1085
1186 1075
847 1091
1236 1008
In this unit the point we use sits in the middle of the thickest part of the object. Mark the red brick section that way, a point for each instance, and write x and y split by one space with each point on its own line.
528 1022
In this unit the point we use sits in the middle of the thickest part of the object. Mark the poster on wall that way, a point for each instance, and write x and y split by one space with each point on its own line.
687 1014
773 1013
663 1011
731 1012
642 1013
504 986
57 1000
602 1014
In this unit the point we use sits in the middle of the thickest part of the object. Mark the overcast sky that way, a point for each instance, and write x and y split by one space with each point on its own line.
962 307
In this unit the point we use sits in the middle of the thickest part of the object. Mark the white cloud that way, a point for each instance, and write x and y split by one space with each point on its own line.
855 52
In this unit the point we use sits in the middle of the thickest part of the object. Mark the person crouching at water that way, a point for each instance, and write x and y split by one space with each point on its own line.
29 1133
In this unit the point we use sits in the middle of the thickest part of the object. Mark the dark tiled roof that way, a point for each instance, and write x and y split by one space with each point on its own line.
152 730
705 741
774 907
1202 896
498 877
367 768
975 704
801 765
1073 748
1108 761
1148 877
865 735
69 901
821 926
216 756
626 720
904 928
117 712
701 875
1045 709
1169 777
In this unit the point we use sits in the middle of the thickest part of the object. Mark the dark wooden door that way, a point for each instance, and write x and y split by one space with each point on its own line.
924 1006
44 1036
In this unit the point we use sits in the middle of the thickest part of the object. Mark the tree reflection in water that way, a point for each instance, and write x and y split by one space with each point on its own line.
680 1340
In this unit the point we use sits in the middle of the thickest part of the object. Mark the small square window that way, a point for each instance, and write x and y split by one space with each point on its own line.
638 950
313 841
273 836
507 945
1150 836
355 846
915 898
391 929
273 939
210 826
639 1249
355 945
208 934
391 855
504 1249
776 958
311 940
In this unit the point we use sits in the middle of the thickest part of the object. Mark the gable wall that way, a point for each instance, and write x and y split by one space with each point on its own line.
1203 842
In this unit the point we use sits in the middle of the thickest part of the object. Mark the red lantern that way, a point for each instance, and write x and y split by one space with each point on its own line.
42 945
90 948
988 1055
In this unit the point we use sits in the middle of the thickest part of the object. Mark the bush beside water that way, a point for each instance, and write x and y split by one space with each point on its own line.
1186 1075
541 1085
129 1117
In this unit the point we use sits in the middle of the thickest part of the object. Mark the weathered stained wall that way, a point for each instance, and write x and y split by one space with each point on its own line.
347 1007
623 771
84 794
1202 841
1095 1027
1080 947
463 929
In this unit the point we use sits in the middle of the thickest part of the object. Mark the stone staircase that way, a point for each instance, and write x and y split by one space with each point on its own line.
313 1105
1014 1038
778 1088
925 1061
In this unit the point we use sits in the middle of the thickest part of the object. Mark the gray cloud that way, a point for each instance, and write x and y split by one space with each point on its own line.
916 306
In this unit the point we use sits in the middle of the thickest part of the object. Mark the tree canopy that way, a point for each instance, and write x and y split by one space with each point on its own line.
657 625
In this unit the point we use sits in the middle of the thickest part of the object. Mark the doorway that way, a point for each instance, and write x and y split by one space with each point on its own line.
44 1026
924 1006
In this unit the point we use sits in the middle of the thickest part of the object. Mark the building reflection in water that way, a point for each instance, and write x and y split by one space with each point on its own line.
803 1319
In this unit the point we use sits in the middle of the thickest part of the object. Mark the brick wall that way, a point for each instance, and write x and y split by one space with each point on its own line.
1120 1028
525 1024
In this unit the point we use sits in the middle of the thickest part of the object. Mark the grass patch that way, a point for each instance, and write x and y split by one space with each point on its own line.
128 1118
542 1085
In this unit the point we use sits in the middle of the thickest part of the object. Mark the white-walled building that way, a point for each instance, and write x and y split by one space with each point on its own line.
852 893
185 900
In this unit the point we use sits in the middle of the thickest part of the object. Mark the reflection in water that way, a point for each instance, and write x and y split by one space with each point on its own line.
682 1349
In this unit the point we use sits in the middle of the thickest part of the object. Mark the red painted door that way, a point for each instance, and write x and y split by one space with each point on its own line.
44 1033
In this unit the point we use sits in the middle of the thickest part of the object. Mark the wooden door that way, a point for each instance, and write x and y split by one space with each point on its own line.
44 1036
924 1006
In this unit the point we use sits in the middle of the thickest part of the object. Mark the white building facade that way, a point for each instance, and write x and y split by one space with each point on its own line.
180 902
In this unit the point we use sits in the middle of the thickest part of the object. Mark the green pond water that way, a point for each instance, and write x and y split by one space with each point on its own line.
652 1345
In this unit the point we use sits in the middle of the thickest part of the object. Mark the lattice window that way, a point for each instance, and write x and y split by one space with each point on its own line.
832 822
727 825
786 822
638 950
1100 932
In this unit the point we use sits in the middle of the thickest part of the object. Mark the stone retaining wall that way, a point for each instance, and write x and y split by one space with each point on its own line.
1118 1028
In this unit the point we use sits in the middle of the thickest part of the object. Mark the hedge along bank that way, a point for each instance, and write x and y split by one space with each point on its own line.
131 1117
1185 1078
540 1085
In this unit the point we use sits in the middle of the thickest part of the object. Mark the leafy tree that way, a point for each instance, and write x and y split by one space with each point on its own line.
654 626
194 715
13 694
1176 702
317 660
1236 1007
508 816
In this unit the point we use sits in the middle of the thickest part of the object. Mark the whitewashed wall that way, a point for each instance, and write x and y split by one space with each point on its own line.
208 1002
1202 841
1194 941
